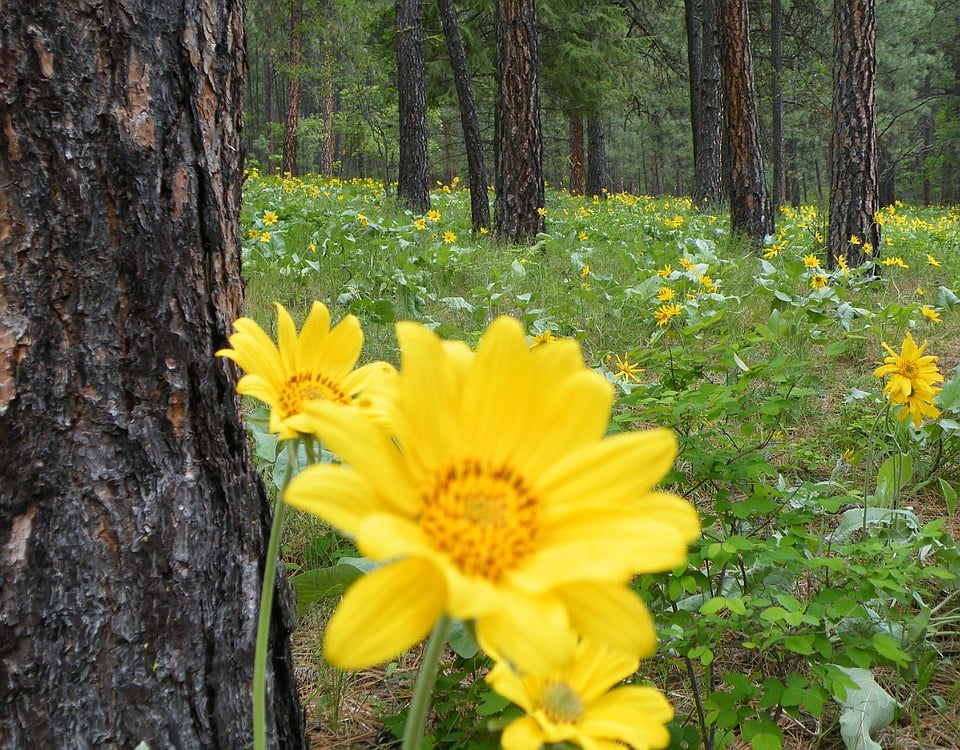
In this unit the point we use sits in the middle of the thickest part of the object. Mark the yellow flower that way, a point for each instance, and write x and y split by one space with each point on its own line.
484 230
626 370
542 211
449 237
582 704
665 294
929 313
313 247
920 291
420 223
894 261
317 365
665 271
819 281
811 261
867 248
933 261
584 272
687 263
433 215
665 312
542 338
582 236
269 218
854 240
773 251
362 220
265 237
253 233
913 380
499 500
842 263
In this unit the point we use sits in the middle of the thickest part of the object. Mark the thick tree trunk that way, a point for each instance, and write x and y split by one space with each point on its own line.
293 89
479 201
703 58
853 179
576 155
751 214
597 181
132 523
519 139
413 184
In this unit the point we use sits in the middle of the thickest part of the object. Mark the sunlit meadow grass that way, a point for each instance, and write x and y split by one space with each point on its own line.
761 362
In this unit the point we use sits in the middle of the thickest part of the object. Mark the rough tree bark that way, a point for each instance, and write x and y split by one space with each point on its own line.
703 58
751 214
597 180
477 171
519 138
853 179
413 185
776 96
293 88
132 522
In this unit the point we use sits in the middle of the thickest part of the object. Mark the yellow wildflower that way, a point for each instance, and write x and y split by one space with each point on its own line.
912 381
449 237
930 314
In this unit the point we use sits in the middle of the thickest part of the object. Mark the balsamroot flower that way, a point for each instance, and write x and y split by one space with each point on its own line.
317 365
499 500
577 705
912 381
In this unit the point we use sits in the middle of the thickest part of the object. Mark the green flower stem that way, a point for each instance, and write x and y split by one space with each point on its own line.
423 689
266 607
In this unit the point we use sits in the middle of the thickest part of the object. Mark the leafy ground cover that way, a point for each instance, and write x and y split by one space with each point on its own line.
821 608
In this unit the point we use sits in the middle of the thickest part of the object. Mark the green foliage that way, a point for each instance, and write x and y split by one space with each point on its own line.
821 565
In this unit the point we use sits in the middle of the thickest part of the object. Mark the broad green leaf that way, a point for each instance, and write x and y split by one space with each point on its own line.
323 583
867 709
949 495
461 640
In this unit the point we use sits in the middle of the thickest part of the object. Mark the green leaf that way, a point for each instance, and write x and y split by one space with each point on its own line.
867 709
949 495
799 644
461 640
323 583
889 648
893 476
949 398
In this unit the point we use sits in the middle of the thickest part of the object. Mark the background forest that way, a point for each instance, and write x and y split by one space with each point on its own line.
329 69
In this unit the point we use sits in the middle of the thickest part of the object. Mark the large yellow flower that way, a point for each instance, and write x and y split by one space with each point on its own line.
912 381
499 501
317 365
576 705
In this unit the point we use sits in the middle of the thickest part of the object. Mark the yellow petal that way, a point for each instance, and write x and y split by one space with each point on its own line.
522 734
365 447
384 613
597 668
634 714
611 615
532 633
287 339
622 467
336 353
337 494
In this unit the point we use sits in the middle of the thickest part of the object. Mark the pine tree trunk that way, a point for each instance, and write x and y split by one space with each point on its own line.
293 89
413 187
596 158
479 201
853 179
132 523
776 96
751 213
326 86
519 139
576 155
703 59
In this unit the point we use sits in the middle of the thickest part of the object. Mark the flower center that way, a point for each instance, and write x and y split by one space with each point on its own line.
909 370
309 386
560 703
483 517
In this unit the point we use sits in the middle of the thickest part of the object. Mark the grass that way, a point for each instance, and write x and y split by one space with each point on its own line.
768 384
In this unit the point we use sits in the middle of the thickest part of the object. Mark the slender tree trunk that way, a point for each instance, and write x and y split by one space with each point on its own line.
576 154
413 181
751 214
327 146
776 96
477 172
703 58
519 139
133 525
853 178
597 179
293 89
